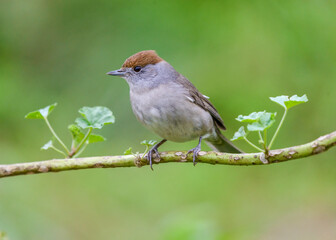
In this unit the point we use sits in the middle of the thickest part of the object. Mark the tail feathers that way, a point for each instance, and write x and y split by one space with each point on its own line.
222 144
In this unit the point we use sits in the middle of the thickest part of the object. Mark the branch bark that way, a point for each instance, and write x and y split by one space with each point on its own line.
317 146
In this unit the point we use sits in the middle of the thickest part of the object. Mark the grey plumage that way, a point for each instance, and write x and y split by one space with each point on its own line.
167 103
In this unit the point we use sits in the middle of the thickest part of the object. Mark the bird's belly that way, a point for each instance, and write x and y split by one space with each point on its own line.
177 120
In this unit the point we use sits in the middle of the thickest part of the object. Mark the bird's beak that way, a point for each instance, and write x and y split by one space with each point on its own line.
120 73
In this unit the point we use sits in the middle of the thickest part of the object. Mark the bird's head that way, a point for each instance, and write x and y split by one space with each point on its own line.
145 69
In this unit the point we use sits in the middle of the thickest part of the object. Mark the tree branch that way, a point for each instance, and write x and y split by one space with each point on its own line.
317 146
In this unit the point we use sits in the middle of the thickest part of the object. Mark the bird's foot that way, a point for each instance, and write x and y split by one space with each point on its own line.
195 151
154 150
150 156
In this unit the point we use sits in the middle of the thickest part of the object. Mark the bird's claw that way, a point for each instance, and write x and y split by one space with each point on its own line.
195 152
150 156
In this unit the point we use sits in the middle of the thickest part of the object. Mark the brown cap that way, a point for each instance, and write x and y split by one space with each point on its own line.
142 59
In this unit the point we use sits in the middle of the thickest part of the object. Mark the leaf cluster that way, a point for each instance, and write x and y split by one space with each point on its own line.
260 122
91 118
147 143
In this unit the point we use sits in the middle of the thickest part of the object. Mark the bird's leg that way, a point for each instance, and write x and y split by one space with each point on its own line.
195 151
153 150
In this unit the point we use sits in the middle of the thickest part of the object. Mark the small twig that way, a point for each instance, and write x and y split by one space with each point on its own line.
261 138
55 135
253 145
81 150
59 151
146 151
74 151
277 131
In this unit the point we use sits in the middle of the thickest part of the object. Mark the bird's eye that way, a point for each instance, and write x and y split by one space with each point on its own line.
137 68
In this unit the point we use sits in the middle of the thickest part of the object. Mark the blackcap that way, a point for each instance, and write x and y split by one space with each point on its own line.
167 103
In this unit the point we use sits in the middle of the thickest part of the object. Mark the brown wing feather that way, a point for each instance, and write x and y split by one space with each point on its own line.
202 101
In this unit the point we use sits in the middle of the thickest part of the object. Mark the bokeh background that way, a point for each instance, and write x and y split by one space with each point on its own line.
237 52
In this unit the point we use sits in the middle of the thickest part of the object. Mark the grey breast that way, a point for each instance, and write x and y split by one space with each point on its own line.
169 111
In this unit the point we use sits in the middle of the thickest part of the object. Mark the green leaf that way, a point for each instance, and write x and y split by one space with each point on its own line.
265 121
41 113
96 138
128 151
148 143
47 145
240 134
78 135
94 117
252 117
288 102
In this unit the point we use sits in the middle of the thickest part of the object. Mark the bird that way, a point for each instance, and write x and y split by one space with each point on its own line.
168 104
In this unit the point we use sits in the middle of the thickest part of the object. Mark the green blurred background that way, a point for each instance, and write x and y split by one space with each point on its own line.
237 52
